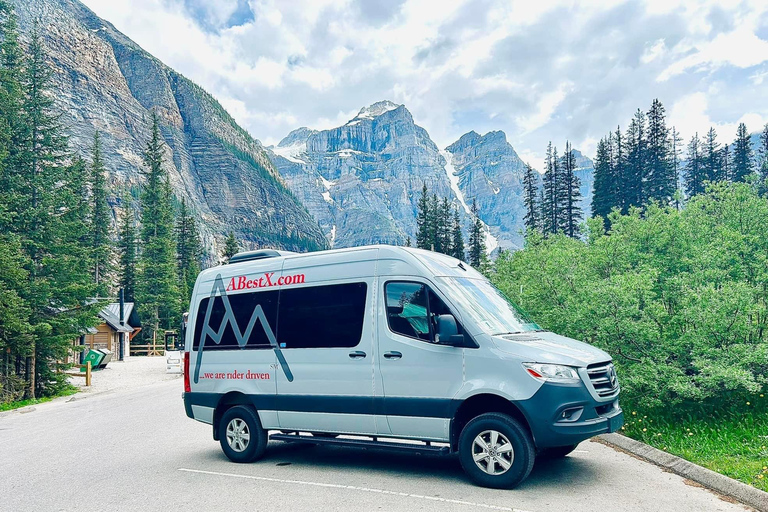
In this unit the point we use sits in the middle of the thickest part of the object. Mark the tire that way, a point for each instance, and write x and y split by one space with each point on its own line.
558 452
507 462
241 436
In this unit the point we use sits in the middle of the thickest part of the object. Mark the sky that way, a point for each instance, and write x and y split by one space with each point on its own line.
538 70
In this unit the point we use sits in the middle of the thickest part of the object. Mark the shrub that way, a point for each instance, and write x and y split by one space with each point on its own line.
678 298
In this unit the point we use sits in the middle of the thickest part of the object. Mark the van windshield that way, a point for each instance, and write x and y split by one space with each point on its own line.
488 306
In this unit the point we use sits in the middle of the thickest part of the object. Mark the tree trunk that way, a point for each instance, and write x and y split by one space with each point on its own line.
29 375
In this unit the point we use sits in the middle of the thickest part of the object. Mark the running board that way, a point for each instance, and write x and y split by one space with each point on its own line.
363 443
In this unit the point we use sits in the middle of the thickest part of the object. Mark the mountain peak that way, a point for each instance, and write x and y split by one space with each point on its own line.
298 135
495 136
374 111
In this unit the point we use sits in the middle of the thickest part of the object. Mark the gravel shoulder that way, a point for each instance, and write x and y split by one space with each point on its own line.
132 373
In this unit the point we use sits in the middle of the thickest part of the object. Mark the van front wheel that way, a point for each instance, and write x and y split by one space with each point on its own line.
241 436
496 451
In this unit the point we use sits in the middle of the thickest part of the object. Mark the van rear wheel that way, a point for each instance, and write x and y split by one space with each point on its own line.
496 451
241 436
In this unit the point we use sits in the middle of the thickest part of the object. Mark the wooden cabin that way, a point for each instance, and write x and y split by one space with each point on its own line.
113 330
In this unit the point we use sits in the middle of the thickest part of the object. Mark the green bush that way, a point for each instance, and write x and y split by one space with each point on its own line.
678 298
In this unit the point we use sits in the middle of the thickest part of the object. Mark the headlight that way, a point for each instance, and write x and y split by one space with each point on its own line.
552 372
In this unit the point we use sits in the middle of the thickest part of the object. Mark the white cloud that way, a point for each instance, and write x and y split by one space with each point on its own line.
690 115
652 52
740 48
539 70
547 104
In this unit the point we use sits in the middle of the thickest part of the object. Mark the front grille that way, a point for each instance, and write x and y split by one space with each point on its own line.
603 379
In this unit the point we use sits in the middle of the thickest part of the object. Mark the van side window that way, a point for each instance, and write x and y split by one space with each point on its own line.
321 316
407 309
243 307
412 310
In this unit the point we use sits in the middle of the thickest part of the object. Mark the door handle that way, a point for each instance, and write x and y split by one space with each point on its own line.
357 354
392 355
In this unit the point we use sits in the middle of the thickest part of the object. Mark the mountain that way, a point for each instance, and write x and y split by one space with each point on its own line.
104 81
489 170
362 181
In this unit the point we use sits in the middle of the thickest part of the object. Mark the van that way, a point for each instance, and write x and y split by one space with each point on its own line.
365 346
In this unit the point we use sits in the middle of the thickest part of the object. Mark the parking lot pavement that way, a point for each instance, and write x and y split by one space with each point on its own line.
134 449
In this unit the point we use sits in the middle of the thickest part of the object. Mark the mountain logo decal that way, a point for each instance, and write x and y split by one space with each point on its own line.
241 336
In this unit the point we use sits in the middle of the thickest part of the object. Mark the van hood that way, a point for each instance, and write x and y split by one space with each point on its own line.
548 347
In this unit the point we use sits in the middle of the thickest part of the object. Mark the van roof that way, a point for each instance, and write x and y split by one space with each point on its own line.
428 262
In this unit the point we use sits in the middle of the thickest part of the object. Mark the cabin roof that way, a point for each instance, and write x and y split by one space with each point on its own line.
111 315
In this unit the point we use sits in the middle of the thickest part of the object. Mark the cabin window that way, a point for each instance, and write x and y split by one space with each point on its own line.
321 316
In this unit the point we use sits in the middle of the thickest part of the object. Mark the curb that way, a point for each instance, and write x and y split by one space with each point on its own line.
722 484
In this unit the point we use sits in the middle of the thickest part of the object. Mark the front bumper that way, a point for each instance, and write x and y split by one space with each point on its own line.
584 417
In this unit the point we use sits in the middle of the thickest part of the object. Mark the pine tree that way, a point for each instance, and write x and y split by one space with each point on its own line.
11 97
457 247
156 291
127 250
407 241
553 193
50 224
694 169
677 148
476 238
16 330
635 171
743 164
529 198
443 227
619 170
725 161
762 153
713 167
603 199
561 193
572 214
435 238
189 251
546 194
231 246
100 243
659 183
423 220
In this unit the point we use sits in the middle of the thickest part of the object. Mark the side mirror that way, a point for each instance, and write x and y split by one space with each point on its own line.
448 332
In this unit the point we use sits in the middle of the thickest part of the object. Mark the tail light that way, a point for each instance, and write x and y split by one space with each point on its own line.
187 387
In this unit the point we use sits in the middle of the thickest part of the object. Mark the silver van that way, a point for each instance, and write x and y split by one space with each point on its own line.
365 346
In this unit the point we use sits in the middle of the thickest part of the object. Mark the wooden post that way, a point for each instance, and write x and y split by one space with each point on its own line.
87 373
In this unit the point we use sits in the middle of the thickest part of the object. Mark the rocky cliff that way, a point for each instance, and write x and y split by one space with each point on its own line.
106 82
362 181
488 170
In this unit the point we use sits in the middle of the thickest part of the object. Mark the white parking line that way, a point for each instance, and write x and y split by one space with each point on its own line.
355 488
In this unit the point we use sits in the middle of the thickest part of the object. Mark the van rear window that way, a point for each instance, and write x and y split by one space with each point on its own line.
243 307
321 316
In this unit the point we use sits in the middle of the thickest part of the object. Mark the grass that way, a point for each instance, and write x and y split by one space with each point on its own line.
734 443
66 391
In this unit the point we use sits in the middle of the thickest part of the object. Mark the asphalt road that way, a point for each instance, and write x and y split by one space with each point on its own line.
134 449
